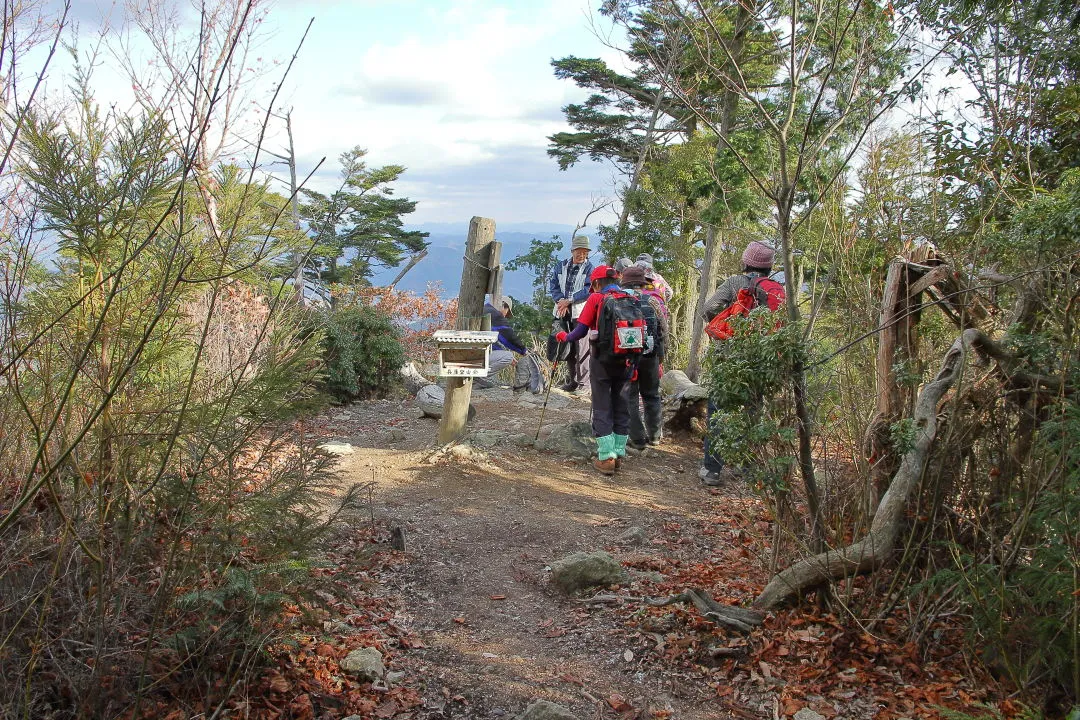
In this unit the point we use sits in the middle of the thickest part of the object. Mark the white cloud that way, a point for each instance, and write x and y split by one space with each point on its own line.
448 89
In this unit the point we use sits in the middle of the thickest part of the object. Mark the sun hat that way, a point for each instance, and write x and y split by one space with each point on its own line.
634 275
579 241
645 260
509 304
758 255
622 263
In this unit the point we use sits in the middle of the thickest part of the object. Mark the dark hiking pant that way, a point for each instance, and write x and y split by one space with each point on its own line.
648 426
712 461
609 414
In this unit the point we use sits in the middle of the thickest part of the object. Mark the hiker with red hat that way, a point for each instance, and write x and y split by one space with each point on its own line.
615 326
750 288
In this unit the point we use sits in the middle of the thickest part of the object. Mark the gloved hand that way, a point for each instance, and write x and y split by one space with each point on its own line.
561 336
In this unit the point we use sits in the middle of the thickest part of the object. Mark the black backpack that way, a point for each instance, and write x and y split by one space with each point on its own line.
621 328
654 337
554 349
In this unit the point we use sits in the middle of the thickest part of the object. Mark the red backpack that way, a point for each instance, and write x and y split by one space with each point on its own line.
761 290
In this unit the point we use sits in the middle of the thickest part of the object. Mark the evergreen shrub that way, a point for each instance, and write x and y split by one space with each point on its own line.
363 353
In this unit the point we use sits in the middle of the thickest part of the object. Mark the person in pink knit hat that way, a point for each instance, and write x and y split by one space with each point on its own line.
757 261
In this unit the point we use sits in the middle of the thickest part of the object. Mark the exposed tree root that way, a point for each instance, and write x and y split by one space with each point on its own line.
729 616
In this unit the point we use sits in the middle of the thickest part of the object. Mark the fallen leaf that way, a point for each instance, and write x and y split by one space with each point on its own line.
387 710
459 620
628 656
498 597
567 677
618 703
279 684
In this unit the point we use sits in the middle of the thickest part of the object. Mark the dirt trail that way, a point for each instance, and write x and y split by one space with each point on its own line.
480 532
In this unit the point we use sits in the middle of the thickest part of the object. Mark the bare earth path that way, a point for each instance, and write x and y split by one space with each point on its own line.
480 532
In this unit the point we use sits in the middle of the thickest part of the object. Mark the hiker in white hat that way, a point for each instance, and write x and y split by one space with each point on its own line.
569 288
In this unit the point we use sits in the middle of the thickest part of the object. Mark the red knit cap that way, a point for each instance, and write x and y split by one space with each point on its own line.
758 255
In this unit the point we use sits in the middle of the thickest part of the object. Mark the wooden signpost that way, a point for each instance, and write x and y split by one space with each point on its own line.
480 274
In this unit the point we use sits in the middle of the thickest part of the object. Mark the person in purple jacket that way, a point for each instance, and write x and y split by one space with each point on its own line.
509 344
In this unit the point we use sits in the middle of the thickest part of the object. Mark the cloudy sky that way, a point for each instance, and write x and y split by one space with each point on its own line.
461 92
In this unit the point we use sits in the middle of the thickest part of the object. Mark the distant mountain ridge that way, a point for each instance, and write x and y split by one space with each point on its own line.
447 244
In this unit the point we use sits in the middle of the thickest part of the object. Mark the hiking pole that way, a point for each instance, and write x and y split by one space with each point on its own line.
551 381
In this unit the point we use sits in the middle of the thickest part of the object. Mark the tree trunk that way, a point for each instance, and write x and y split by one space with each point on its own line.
896 342
874 549
706 285
798 371
728 110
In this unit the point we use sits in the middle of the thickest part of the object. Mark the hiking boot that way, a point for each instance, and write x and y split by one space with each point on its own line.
712 478
606 467
639 446
569 387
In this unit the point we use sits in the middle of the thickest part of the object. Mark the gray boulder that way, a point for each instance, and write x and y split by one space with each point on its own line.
430 401
546 710
675 385
365 664
634 535
573 439
584 570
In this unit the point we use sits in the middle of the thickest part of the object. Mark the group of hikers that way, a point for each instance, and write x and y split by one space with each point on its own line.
612 331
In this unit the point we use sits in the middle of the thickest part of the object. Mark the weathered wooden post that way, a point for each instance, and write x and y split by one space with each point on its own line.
475 276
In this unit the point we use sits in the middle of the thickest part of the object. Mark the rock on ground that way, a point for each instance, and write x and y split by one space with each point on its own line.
808 714
574 439
556 401
583 570
634 535
430 400
365 664
545 710
337 448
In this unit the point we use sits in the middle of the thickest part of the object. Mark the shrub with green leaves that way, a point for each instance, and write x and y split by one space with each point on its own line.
362 351
745 375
